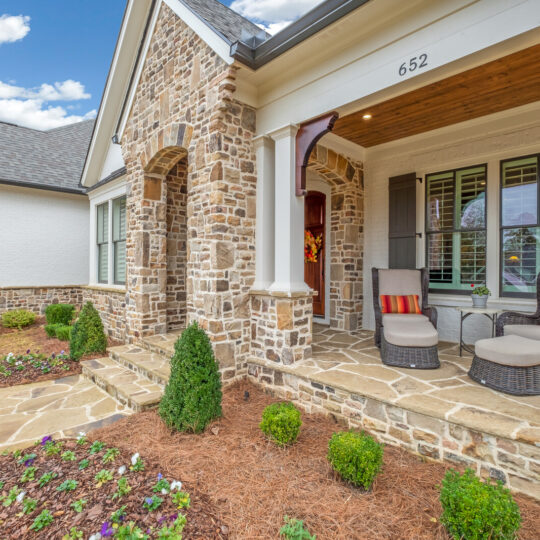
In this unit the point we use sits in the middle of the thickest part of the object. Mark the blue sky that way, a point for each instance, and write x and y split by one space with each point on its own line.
55 54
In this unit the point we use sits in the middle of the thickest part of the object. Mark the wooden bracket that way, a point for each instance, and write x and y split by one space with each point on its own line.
307 137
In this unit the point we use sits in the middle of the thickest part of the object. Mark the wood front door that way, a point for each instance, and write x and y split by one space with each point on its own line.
314 224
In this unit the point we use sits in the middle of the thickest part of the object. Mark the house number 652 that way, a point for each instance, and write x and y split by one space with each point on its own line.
416 62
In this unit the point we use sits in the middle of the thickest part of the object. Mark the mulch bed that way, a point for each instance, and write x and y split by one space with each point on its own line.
202 520
253 484
34 339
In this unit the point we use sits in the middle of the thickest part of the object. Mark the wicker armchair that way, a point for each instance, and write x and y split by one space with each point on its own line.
429 312
514 317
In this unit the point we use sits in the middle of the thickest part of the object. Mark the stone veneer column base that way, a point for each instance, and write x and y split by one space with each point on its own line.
281 326
516 463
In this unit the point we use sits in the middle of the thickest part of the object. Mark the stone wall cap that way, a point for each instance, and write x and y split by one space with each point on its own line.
104 288
283 294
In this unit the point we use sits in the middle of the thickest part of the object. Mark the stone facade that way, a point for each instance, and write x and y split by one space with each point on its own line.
346 235
514 462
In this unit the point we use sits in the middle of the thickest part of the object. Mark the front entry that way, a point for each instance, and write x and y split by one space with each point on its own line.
314 247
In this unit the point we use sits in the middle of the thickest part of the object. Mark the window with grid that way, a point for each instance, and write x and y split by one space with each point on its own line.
119 240
520 226
456 229
103 242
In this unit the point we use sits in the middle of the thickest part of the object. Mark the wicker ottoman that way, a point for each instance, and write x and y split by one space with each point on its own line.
510 364
409 343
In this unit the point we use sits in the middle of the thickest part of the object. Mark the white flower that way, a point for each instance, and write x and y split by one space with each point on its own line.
121 470
81 435
164 492
134 458
10 355
176 484
20 496
96 536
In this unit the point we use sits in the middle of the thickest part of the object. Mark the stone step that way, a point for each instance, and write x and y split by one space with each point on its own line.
127 386
152 365
162 344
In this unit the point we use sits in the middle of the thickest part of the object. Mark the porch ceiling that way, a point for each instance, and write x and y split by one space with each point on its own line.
502 84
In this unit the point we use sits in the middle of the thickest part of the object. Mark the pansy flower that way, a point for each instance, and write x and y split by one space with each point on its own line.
121 470
134 458
45 440
176 484
106 529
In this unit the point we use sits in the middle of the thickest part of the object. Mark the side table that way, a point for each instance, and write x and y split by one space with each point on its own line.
465 312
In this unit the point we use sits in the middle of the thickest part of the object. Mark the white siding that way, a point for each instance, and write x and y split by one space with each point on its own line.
43 238
488 140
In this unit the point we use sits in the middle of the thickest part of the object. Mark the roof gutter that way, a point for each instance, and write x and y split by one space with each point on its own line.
312 22
73 191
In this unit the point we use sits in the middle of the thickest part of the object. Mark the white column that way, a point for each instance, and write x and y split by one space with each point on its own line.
289 216
264 228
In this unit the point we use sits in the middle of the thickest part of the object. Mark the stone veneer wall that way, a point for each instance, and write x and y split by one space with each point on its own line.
516 463
281 327
111 305
346 235
184 108
176 246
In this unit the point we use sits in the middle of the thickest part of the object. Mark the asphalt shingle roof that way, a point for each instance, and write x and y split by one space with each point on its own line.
51 159
230 24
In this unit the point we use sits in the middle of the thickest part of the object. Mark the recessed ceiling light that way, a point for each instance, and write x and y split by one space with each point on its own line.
366 116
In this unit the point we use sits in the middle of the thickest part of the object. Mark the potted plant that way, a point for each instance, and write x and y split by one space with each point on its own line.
480 296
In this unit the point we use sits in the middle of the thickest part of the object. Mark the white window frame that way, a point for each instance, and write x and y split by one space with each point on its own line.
107 193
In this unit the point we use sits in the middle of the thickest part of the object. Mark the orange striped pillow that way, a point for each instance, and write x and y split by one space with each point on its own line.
400 304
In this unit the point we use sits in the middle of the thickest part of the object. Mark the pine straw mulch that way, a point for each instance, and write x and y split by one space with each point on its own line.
202 520
254 484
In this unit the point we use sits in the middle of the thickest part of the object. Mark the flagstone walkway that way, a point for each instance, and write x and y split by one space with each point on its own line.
61 408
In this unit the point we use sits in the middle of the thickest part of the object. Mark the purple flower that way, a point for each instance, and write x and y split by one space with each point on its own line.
106 529
62 351
29 462
53 356
149 500
159 476
45 440
173 517
28 351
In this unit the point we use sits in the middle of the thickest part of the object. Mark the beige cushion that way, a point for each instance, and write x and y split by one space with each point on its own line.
531 331
401 282
409 333
404 317
509 351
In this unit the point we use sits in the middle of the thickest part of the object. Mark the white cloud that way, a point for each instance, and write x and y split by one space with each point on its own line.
273 11
274 28
13 27
61 91
32 113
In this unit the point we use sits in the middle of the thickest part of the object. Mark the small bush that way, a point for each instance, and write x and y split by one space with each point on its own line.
63 332
192 397
473 509
50 329
357 457
18 318
87 335
281 423
59 314
294 530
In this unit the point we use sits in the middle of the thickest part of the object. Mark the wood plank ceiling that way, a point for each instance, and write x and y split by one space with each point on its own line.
502 84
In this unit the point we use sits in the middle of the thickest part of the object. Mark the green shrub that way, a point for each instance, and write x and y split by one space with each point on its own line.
192 397
281 423
357 457
18 318
475 510
63 332
294 530
87 335
50 329
59 314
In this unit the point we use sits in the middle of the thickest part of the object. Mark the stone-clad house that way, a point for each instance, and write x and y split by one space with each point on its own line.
217 147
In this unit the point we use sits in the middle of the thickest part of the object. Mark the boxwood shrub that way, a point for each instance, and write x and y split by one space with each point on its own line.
87 335
18 318
63 332
50 329
473 509
281 423
357 457
59 313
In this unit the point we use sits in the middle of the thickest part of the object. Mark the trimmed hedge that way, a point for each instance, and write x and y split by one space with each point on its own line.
357 457
87 334
281 423
50 329
59 314
192 397
63 332
18 318
473 509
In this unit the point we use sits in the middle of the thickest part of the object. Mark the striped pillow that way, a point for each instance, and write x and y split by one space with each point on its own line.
400 304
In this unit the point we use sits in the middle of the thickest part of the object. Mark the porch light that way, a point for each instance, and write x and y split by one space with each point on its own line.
366 116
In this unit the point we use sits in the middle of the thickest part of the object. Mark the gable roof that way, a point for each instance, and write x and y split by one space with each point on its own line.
50 159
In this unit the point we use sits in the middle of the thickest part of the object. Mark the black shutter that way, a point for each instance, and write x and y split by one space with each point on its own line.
402 221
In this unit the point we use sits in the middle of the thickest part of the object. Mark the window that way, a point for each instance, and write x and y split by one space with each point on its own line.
111 241
119 240
520 226
456 228
103 243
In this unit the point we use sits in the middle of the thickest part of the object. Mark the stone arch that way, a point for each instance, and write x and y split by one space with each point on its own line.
165 148
345 178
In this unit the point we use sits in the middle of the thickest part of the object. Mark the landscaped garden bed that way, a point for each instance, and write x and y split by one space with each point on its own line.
84 489
254 483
